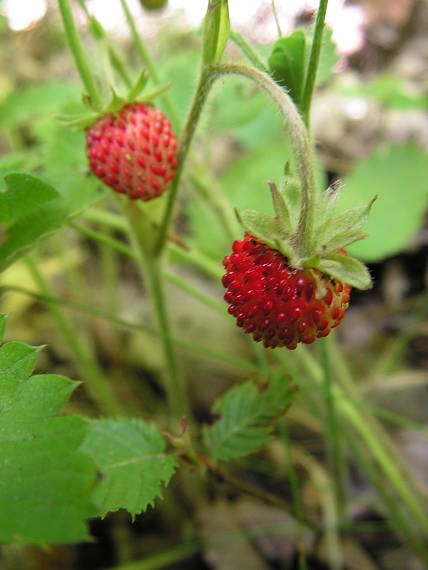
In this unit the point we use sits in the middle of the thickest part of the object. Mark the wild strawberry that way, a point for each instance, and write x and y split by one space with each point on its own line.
286 283
133 151
276 303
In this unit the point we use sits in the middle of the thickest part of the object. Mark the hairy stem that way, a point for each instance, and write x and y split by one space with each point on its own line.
296 129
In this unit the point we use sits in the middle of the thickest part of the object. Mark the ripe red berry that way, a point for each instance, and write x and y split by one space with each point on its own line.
133 151
276 303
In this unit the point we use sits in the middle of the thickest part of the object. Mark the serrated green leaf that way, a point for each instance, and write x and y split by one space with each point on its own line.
346 269
344 228
259 225
216 31
24 193
131 457
45 482
398 174
287 63
247 415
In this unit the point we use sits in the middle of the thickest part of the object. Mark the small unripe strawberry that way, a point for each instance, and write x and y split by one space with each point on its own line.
276 303
133 151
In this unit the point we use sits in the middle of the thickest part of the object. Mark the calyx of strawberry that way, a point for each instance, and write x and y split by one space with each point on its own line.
137 93
331 233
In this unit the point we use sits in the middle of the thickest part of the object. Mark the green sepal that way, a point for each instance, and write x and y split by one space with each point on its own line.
287 63
343 229
82 121
327 202
138 85
290 190
281 211
287 251
259 225
346 269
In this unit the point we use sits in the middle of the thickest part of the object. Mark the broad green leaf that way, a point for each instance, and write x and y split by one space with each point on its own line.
247 414
216 31
24 194
130 455
346 269
42 213
24 106
389 90
287 63
45 482
398 174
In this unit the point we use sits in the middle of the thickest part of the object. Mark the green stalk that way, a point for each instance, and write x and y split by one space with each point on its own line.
334 446
296 129
184 253
189 345
294 485
313 62
248 50
151 67
151 273
98 388
79 53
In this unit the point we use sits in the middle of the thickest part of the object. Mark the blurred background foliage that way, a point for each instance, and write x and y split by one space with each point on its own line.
370 126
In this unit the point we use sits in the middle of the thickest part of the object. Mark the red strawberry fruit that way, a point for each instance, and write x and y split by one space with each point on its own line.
133 151
284 290
276 303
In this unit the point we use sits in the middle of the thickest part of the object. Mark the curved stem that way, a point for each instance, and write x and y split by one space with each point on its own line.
313 61
296 129
79 53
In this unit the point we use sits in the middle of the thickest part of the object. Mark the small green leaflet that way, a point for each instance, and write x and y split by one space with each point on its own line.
130 455
247 415
45 481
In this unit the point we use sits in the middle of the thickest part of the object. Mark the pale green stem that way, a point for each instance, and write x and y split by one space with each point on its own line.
188 345
294 485
313 62
334 444
97 386
296 129
129 252
79 53
151 67
275 15
250 53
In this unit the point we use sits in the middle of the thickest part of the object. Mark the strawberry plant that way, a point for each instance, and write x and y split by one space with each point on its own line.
116 168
